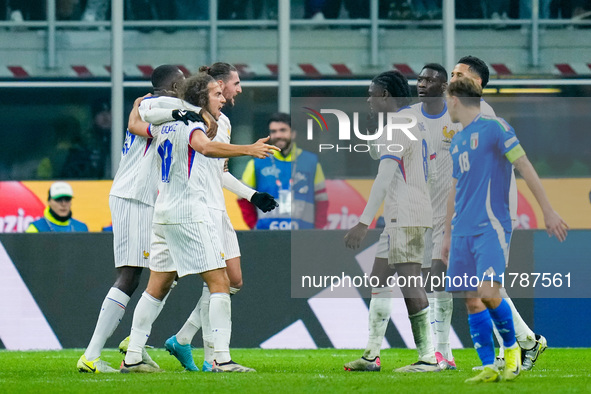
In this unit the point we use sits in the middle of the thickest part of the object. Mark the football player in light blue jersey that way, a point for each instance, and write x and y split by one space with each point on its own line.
476 249
532 344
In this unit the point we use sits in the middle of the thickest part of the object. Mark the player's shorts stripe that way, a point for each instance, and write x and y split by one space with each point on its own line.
515 153
496 224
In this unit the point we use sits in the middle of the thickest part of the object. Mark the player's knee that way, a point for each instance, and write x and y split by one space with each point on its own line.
474 305
415 305
218 282
236 284
128 279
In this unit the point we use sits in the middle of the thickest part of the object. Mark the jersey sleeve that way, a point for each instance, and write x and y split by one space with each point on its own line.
248 176
235 186
395 142
153 131
386 172
193 127
507 142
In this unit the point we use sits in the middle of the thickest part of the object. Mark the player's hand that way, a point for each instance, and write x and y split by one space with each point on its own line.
354 237
445 246
212 125
260 149
264 201
186 116
555 225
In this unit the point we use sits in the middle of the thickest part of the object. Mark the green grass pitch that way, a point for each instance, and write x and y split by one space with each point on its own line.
286 371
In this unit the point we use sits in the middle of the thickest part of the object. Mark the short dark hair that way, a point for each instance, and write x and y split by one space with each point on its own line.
195 90
478 66
441 71
280 117
396 84
467 90
219 70
163 77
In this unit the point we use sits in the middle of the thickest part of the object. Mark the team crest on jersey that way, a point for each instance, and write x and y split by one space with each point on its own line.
448 135
146 255
474 140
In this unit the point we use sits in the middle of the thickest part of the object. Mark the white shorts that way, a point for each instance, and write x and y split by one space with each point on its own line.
216 216
428 249
383 246
187 248
231 247
437 238
406 244
132 227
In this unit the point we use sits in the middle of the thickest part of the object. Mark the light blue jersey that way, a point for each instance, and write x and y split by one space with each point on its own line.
483 175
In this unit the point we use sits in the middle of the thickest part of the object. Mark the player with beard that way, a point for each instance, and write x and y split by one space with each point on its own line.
184 239
293 176
179 345
131 201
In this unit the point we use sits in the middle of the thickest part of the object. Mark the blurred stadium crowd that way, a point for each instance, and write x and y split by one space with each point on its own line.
98 10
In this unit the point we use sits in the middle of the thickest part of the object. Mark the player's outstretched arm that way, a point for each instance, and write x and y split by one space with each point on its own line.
447 228
135 124
386 172
555 225
232 184
203 145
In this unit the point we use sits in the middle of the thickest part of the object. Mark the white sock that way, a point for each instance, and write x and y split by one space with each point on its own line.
524 335
220 316
165 298
431 299
206 326
380 307
444 304
421 331
500 342
234 290
110 316
145 314
191 326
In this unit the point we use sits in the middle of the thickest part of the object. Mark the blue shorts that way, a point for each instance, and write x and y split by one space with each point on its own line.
473 258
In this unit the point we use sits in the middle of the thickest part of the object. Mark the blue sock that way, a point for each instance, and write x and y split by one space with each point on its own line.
503 319
481 331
